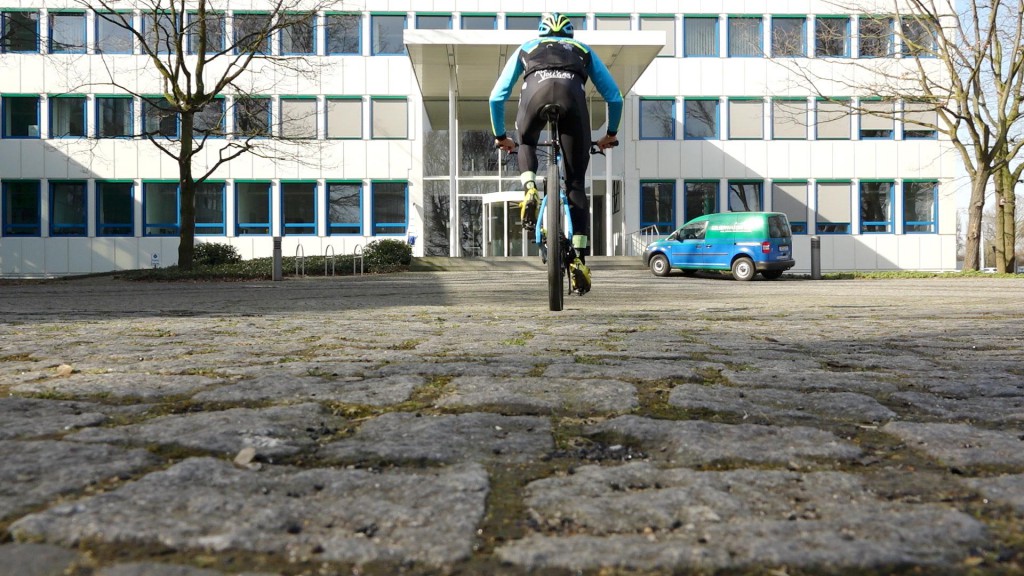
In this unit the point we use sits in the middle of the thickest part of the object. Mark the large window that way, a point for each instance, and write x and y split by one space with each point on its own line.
113 116
876 120
875 207
699 198
434 21
386 34
833 120
344 208
700 120
522 22
832 37
298 118
158 118
745 36
479 22
920 120
345 117
657 118
667 25
67 32
298 207
746 119
612 22
252 32
21 116
388 205
918 36
389 118
160 209
114 33
19 31
788 38
67 117
343 33
21 207
161 32
298 36
834 212
252 117
214 23
700 36
210 121
920 207
876 38
745 196
252 208
789 119
67 209
790 198
658 205
115 209
210 209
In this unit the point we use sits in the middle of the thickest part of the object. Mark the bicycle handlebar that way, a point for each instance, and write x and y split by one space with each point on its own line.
593 146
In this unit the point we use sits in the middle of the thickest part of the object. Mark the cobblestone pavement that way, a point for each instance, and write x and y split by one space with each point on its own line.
436 423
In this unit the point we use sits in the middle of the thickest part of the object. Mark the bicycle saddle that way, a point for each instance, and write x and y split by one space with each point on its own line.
551 111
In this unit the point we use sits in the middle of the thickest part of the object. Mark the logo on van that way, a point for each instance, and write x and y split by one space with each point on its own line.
747 225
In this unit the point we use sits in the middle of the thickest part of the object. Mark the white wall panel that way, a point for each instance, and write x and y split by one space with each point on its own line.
886 248
32 159
79 256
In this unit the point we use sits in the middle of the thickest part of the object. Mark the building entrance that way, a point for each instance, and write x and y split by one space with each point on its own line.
503 227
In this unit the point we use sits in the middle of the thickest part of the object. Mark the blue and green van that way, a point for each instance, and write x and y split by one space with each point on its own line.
743 243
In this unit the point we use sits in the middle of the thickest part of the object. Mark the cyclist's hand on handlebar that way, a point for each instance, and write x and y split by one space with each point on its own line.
607 141
507 144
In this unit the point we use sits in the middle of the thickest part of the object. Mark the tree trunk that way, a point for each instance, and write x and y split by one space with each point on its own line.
1006 231
187 189
974 211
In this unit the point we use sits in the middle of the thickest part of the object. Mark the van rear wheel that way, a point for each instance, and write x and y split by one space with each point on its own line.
659 265
743 269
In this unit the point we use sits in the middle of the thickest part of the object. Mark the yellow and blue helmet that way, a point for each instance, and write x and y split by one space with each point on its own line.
555 24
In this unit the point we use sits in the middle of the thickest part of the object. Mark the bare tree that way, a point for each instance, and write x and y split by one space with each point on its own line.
965 67
196 61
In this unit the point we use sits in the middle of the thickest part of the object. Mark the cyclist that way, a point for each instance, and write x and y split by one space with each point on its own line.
556 67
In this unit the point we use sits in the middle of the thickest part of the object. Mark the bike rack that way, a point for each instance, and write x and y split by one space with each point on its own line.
330 250
299 250
357 254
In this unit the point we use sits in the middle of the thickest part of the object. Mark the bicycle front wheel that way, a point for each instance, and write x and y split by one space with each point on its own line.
553 222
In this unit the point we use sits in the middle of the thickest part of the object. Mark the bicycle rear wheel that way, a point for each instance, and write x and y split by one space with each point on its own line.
553 223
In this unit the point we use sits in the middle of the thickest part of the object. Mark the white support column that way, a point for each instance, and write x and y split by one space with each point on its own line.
453 151
609 206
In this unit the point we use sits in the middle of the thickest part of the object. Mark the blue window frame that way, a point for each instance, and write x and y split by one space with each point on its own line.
877 120
344 33
22 208
216 30
162 32
433 21
210 121
790 198
114 33
344 117
210 209
386 36
67 208
299 35
19 31
252 208
875 37
658 205
833 207
746 37
252 117
789 119
161 209
700 36
920 121
159 120
114 117
920 207
789 36
298 208
479 22
746 118
389 207
252 32
876 209
115 208
67 32
700 197
918 35
746 195
832 37
700 119
657 118
20 116
344 208
67 116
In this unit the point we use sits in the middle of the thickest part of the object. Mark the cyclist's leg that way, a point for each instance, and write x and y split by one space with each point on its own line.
529 124
575 140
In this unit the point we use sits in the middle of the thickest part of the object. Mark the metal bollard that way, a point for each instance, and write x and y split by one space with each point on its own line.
277 258
815 258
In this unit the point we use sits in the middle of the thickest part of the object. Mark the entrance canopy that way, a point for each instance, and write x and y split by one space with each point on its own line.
464 64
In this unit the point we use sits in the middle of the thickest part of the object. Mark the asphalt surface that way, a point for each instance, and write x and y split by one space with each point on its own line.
448 423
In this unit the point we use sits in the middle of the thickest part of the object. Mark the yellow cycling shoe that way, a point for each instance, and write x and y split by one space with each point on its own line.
528 207
579 276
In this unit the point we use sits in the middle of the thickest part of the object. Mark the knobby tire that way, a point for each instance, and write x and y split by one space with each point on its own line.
553 220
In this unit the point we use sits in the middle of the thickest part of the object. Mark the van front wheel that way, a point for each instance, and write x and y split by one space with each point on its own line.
743 269
659 265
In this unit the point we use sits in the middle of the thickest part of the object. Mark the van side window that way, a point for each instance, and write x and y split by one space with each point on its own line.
694 231
778 227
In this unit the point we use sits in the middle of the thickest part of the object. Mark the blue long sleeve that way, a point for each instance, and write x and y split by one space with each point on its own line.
502 90
605 84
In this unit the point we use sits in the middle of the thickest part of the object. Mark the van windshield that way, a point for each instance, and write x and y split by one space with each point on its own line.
778 226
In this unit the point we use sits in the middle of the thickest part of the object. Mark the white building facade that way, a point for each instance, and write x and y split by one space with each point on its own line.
385 134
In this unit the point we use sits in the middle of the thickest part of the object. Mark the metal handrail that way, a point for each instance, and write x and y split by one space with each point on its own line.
357 254
331 249
300 250
637 241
